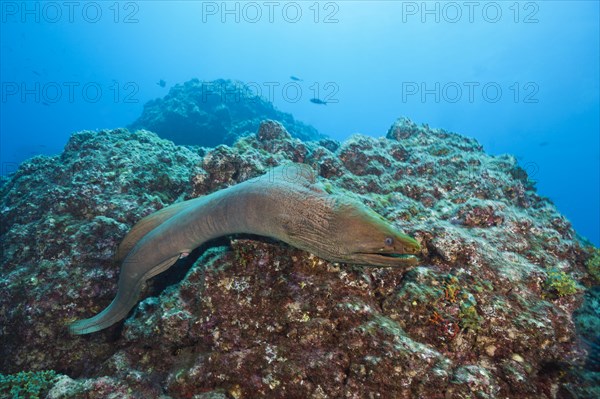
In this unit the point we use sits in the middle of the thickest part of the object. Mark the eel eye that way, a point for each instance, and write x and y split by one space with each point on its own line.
389 241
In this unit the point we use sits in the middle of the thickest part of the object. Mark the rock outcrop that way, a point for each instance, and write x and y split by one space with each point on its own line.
214 112
488 313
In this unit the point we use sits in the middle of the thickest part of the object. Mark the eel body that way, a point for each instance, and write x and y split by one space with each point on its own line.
285 204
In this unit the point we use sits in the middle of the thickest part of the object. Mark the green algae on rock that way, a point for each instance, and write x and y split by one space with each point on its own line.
29 385
250 317
593 263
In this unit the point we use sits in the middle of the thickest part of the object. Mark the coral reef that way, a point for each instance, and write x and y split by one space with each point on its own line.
488 313
214 112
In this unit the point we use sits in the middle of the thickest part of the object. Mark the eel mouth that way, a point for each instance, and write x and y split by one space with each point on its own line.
389 259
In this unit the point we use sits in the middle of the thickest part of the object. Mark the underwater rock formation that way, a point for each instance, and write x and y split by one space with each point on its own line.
213 113
488 313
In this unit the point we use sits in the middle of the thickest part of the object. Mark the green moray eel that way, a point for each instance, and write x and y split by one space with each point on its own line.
286 204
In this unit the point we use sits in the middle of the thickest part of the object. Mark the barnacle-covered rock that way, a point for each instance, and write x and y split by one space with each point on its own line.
487 313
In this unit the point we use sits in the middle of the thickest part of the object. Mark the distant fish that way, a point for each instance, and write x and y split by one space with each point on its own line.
36 73
318 101
45 103
297 79
161 83
544 143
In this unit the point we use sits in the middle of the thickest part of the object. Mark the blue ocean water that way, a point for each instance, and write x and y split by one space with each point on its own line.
522 77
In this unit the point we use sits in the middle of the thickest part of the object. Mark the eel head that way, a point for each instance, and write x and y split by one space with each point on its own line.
364 237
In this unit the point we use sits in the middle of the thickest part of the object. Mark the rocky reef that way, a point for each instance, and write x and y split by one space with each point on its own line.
214 112
501 305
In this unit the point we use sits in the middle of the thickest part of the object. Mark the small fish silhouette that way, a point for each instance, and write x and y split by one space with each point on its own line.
318 101
297 79
161 83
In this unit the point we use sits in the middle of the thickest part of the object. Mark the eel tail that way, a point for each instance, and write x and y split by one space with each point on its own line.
127 295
